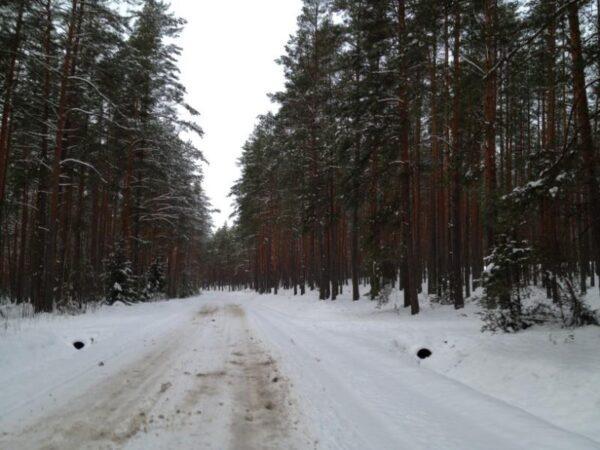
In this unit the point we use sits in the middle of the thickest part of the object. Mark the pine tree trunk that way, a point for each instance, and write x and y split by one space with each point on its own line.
39 294
7 104
354 253
50 281
333 224
434 181
21 271
456 278
408 261
489 111
549 206
584 126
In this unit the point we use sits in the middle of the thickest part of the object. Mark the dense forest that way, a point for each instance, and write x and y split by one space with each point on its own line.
100 196
429 145
433 146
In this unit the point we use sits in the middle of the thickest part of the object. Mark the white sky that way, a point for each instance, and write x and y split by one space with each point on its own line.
227 66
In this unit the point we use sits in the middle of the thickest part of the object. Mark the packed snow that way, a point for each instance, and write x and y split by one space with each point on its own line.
240 370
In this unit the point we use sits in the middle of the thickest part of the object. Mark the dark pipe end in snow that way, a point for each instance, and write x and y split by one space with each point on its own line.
424 353
78 345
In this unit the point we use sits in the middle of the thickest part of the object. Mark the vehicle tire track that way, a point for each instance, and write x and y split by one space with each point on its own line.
208 384
260 419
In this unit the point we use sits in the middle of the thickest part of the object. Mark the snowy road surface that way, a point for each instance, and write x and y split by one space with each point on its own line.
233 372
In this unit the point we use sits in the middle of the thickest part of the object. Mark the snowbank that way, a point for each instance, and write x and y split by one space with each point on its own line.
38 360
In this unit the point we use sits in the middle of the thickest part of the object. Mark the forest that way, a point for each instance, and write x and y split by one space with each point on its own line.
438 147
100 195
435 146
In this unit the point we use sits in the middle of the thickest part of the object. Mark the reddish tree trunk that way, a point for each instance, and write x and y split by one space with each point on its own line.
584 126
456 277
489 111
38 247
56 163
7 105
408 260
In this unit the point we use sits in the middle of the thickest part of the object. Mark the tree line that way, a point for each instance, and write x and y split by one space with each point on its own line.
437 145
99 194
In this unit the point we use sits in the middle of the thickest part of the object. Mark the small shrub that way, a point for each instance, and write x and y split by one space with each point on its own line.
504 286
119 278
383 297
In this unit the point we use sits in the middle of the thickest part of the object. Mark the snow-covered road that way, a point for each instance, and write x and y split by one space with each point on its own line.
231 371
366 397
204 383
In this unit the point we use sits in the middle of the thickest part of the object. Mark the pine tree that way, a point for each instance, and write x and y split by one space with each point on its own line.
92 129
415 141
119 278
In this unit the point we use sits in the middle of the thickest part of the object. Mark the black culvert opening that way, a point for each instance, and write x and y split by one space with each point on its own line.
78 345
424 353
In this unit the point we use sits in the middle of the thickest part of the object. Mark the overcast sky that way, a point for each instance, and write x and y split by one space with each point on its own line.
228 67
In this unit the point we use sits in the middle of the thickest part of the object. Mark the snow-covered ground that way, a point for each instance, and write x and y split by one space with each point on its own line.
243 371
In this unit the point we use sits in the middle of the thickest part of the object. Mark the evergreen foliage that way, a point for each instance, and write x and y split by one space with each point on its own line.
93 115
156 278
120 281
417 143
505 285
